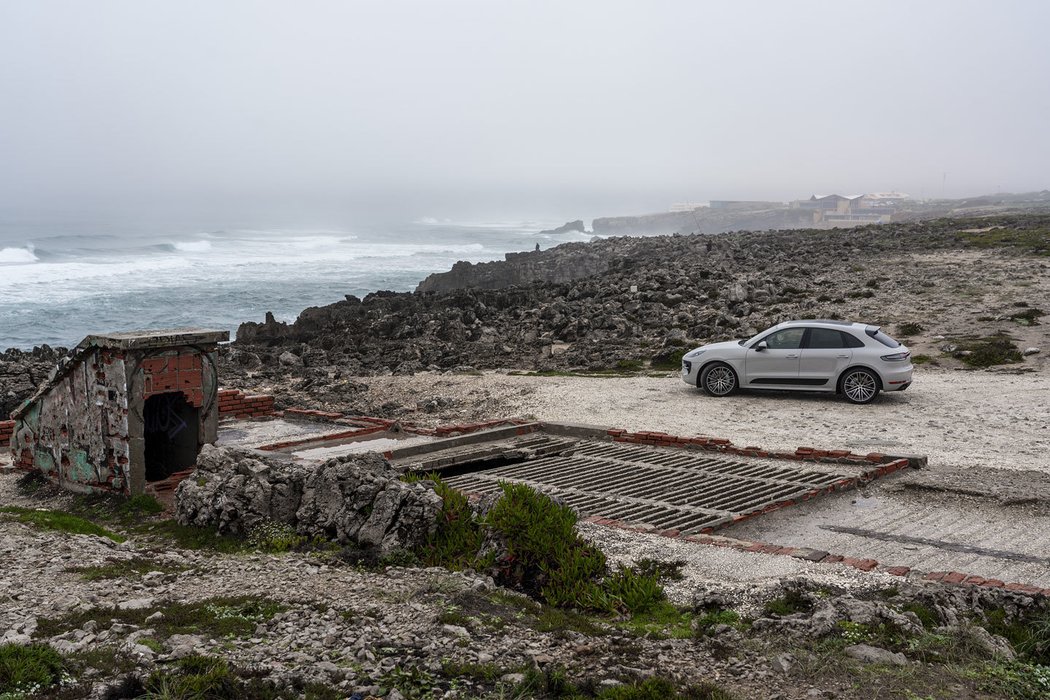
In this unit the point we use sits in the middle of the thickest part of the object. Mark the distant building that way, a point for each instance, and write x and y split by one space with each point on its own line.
744 204
837 210
878 200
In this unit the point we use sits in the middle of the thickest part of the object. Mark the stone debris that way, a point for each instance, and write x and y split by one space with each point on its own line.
353 498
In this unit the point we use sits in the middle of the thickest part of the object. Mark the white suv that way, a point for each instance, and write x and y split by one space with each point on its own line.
854 359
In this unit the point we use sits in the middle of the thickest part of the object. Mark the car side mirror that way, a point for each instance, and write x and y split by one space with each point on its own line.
761 346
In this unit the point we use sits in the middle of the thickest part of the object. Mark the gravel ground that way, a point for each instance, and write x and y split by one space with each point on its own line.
958 418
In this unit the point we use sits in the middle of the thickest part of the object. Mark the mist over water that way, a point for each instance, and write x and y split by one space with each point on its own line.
62 281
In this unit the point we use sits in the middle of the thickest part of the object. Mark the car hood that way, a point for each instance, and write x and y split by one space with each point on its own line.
728 345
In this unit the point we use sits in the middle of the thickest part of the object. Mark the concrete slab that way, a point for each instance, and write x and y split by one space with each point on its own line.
926 531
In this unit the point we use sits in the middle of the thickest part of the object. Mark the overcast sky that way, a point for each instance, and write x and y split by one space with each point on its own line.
596 107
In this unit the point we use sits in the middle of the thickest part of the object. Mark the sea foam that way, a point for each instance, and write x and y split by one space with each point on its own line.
17 256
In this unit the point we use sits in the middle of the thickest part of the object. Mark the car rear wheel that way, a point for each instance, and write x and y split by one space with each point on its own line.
718 379
860 386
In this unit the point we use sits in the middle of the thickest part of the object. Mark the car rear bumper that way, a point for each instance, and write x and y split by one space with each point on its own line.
897 380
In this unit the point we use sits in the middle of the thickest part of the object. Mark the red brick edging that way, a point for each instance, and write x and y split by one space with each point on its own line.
955 578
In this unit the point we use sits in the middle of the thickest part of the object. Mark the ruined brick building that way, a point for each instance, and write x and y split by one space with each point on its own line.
123 409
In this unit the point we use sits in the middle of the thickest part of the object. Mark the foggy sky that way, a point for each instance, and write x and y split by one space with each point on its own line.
577 107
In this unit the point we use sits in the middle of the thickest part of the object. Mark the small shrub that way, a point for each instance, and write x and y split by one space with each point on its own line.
788 604
633 591
714 617
993 350
29 670
923 360
31 482
544 555
629 365
670 358
909 329
1028 317
458 537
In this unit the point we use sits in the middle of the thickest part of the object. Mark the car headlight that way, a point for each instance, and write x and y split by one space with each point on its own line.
694 353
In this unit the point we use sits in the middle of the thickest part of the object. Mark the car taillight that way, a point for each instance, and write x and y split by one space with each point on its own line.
897 356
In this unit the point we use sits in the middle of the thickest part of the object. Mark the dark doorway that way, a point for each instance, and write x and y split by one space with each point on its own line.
171 426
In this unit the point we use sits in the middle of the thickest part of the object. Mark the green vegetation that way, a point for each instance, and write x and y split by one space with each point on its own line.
1028 317
923 360
192 537
134 567
28 670
788 604
1033 241
63 522
211 678
991 350
907 330
547 558
217 617
669 359
458 538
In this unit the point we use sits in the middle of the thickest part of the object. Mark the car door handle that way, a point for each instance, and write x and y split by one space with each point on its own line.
844 357
791 357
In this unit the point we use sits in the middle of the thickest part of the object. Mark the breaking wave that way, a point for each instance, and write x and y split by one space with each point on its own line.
18 256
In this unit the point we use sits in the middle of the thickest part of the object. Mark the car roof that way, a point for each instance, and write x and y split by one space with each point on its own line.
827 323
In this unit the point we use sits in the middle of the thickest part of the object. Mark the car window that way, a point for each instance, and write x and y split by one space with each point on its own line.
883 338
787 339
852 341
825 338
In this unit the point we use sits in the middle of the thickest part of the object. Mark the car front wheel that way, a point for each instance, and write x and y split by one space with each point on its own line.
860 386
718 379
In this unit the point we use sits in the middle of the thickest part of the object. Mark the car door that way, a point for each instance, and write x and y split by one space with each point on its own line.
778 363
825 354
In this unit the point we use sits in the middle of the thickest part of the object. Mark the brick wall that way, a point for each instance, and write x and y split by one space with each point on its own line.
7 428
234 402
174 372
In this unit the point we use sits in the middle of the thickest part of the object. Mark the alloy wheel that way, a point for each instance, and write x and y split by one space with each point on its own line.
859 387
720 381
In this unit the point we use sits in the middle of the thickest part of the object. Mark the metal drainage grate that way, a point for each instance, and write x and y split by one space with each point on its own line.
660 487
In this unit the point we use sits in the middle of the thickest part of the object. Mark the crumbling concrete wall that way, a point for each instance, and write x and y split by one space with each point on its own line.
77 432
85 428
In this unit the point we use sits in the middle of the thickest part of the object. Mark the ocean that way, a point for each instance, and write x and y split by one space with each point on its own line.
60 282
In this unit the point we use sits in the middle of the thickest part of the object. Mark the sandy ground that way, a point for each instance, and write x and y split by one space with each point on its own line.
957 418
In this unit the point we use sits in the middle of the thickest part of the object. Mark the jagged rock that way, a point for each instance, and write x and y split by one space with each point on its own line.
290 359
875 655
353 498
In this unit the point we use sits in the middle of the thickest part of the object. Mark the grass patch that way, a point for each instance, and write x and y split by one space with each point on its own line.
210 678
1034 241
1028 317
62 522
923 360
662 621
788 604
135 567
989 351
216 617
909 329
192 537
29 670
